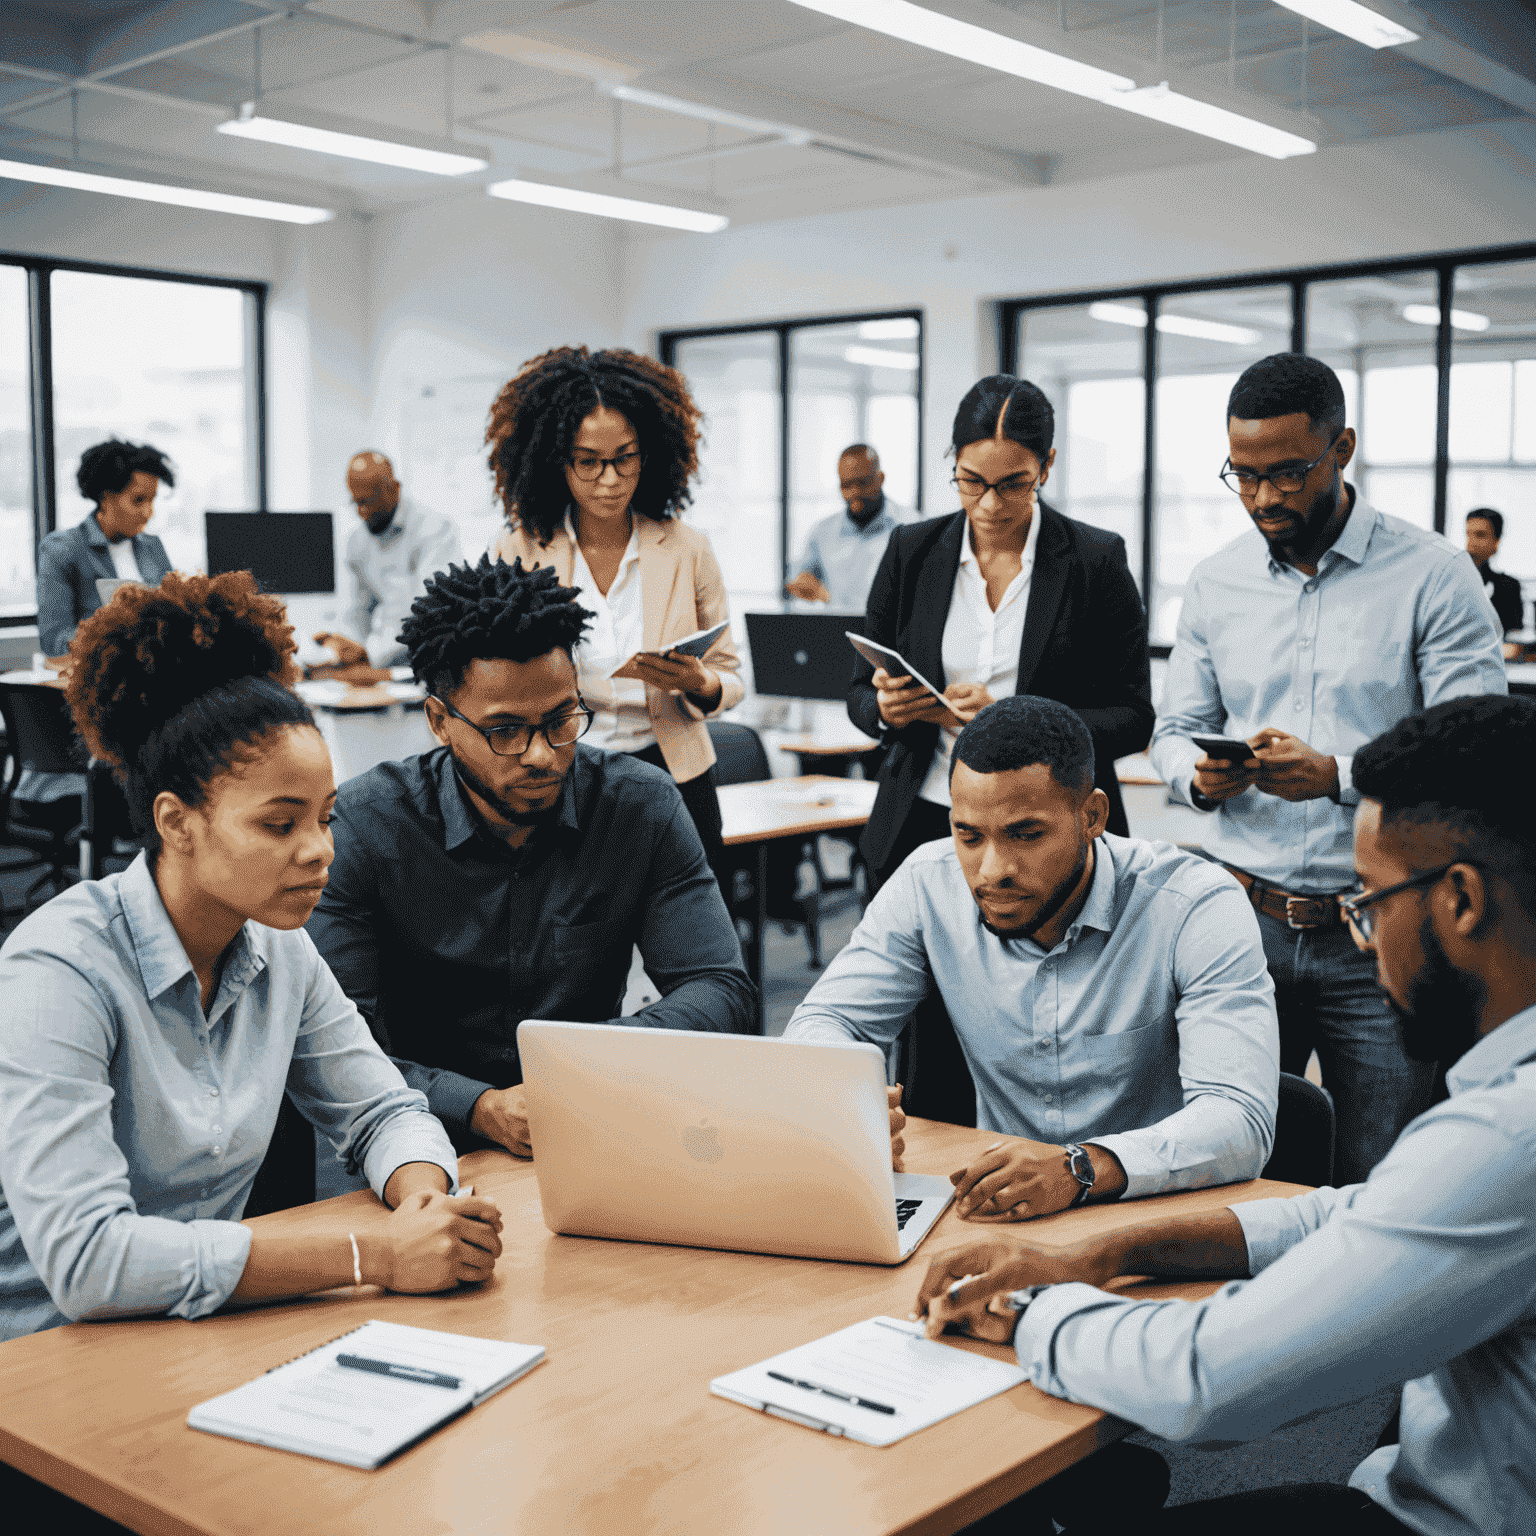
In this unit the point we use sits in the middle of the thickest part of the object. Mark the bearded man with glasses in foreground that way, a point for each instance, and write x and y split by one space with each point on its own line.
509 873
1305 643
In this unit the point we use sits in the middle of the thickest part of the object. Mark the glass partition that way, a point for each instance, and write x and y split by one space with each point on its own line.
17 557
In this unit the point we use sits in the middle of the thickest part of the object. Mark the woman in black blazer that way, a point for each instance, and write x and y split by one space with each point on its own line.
1042 605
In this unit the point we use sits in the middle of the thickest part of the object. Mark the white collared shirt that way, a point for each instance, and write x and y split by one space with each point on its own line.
623 721
124 565
980 645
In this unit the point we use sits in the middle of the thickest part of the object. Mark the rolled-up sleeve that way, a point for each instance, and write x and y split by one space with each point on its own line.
1229 1057
355 1096
1191 701
65 1178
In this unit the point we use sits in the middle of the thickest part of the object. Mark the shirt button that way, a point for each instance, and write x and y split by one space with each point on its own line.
1047 1098
1311 586
1298 704
213 1093
1303 644
218 1151
1045 1045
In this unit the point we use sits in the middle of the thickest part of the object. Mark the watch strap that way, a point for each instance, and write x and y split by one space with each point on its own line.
1080 1165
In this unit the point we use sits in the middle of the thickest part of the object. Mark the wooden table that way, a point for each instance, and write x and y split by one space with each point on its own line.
364 725
773 809
48 679
834 756
615 1433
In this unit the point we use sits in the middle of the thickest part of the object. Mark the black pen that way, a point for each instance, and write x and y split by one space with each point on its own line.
842 1397
399 1372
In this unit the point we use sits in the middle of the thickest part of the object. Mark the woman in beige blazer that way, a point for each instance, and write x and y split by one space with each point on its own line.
593 455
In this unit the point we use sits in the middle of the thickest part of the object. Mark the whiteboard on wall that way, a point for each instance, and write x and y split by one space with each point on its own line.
443 461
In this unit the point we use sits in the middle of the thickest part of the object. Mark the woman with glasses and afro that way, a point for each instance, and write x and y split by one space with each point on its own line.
593 454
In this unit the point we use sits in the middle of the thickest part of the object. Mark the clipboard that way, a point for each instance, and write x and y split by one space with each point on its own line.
884 656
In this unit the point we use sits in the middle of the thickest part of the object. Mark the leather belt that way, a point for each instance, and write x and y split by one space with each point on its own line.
1300 912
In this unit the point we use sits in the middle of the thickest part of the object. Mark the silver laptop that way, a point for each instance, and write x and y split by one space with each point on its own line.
720 1141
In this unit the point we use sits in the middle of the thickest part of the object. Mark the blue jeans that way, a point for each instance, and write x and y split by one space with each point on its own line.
1328 1001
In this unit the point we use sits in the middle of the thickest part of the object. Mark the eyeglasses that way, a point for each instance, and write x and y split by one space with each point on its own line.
973 487
626 466
514 740
1246 482
1357 909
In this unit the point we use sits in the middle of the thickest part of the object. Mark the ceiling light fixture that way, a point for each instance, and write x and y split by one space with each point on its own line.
706 114
159 192
608 206
1461 319
878 357
1356 21
325 135
977 45
1177 325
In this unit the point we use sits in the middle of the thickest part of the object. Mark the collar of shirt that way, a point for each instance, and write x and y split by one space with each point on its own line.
461 822
968 560
628 558
1350 545
161 955
396 523
881 522
1498 1052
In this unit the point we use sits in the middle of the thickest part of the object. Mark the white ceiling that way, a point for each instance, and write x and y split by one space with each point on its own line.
878 121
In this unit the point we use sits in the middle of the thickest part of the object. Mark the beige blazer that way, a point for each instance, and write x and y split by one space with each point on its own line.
681 591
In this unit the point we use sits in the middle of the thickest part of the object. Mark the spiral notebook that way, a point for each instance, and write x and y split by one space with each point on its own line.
367 1395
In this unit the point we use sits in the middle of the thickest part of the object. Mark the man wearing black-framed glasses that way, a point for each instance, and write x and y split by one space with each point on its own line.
510 873
1306 643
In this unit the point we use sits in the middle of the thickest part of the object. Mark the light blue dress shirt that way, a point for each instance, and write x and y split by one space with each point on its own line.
386 573
132 1127
1424 1274
1394 621
844 557
1149 1030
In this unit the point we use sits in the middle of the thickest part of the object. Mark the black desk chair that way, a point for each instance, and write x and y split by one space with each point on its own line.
1304 1129
40 736
107 831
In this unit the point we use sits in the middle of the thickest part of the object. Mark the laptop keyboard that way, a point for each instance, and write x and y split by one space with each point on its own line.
904 1211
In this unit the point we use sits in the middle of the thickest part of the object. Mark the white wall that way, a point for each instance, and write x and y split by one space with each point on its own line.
1394 197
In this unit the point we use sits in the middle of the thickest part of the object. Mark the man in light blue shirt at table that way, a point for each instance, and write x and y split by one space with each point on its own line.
1110 995
845 549
1307 642
1425 1274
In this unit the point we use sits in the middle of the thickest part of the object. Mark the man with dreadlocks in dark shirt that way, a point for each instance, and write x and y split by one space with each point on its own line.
509 873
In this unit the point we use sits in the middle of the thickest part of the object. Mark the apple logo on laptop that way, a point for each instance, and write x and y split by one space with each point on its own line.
702 1142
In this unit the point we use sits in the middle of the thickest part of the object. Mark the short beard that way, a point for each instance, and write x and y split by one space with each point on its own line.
1440 1019
1053 903
1316 518
872 509
518 818
381 520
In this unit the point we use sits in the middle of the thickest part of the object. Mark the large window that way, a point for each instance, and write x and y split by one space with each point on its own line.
152 358
780 403
1437 356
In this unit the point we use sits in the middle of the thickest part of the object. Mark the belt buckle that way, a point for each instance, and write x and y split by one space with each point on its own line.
1293 903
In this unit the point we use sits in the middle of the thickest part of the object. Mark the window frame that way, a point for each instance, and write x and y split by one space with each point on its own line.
667 343
1444 264
40 270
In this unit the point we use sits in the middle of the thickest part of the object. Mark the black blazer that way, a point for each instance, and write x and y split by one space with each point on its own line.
1085 645
1507 601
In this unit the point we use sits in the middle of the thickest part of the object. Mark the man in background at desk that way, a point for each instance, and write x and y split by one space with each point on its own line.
1424 1274
1485 531
844 549
1109 994
509 874
388 559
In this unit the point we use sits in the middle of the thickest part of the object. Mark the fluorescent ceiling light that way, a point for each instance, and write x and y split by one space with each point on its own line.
608 206
1461 319
878 357
158 192
976 45
1356 21
1176 325
706 114
296 130
888 330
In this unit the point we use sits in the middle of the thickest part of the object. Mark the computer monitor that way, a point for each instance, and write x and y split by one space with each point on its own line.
802 655
287 552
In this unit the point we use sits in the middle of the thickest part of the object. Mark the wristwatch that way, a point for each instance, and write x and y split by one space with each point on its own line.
1081 1167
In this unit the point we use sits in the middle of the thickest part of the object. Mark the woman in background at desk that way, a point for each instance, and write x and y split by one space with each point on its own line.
1004 596
593 454
154 1019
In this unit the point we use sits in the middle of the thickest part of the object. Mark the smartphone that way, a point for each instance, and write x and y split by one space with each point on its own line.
1228 748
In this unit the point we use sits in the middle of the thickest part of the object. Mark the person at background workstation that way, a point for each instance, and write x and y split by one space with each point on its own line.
509 873
1485 530
388 560
1423 1274
1306 643
154 1019
594 454
1109 994
844 550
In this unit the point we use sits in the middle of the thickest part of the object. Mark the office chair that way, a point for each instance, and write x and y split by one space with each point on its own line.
107 830
41 736
1304 1130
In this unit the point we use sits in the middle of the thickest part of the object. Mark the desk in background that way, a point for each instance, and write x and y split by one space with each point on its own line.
616 1434
367 726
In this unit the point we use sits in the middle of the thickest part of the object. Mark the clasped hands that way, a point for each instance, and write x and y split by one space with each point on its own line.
905 702
1282 765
